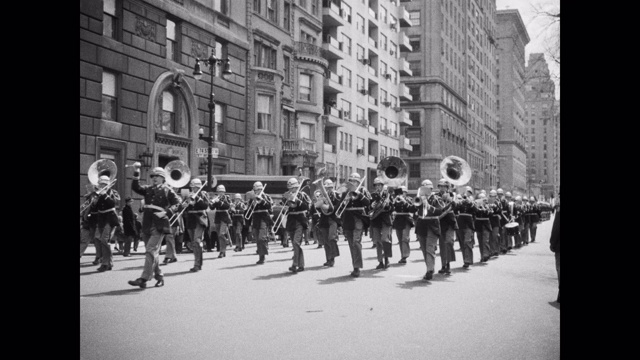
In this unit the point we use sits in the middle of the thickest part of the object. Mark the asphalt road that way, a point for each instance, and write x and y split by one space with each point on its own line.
235 309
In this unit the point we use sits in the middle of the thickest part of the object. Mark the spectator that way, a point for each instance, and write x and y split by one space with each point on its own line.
129 226
555 243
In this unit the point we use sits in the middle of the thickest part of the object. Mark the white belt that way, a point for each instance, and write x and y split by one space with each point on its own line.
403 214
355 208
221 211
260 211
106 211
297 212
429 218
196 211
465 214
155 207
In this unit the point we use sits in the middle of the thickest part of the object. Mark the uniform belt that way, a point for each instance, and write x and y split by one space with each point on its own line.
403 214
355 208
429 218
465 214
106 211
238 215
481 218
221 211
297 212
196 211
154 207
260 211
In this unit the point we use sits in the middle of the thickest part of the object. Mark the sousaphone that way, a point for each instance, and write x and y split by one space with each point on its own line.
455 170
178 173
392 171
102 167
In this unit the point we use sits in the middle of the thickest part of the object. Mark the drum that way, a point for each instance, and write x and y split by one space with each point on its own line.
512 228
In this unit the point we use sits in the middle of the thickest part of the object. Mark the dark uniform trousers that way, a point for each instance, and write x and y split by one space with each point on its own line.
221 229
428 246
354 238
153 241
296 240
447 253
238 228
403 240
524 230
329 238
196 235
381 237
495 236
104 235
466 239
260 236
484 232
86 236
533 228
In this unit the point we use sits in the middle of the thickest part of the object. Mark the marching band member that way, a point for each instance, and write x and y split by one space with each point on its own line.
466 210
448 226
505 216
496 215
483 227
197 220
237 211
524 233
261 220
315 219
221 204
381 223
328 224
403 208
534 217
297 221
509 214
519 218
354 220
170 239
160 204
88 225
428 224
107 221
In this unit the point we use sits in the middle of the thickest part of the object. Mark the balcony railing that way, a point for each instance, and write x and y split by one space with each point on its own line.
373 42
373 159
372 100
298 145
330 110
329 148
372 71
304 48
328 39
373 129
373 13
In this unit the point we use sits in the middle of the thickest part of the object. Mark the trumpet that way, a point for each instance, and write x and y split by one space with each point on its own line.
399 199
257 198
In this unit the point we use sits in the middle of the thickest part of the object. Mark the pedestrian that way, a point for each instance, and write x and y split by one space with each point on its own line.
315 219
496 215
138 232
161 202
555 243
534 217
505 217
483 228
524 232
260 206
381 222
129 226
354 220
107 221
237 211
88 225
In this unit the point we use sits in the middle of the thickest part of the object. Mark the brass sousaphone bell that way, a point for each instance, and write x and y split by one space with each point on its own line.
178 173
102 167
392 171
455 170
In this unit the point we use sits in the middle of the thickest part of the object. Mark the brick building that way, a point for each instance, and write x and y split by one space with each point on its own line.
138 98
512 38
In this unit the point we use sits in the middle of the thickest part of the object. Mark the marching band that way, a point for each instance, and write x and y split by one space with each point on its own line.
439 217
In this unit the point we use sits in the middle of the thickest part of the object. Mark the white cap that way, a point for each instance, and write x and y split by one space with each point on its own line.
221 188
159 172
195 182
427 183
103 180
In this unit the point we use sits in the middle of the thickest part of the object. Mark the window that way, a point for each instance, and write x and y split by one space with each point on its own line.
414 16
394 101
416 67
360 52
383 151
383 68
360 113
360 146
305 87
303 4
220 115
264 165
346 109
360 23
264 55
331 169
221 6
287 67
173 50
257 6
414 41
346 10
393 49
414 91
383 14
341 140
314 7
351 143
168 112
109 96
360 83
383 95
287 16
272 11
346 77
109 19
264 109
347 41
307 38
289 125
393 22
383 124
393 129
383 42
307 131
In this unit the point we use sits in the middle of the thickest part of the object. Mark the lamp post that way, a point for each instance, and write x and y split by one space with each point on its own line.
212 61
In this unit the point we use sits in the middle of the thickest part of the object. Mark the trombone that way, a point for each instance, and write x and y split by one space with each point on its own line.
345 202
285 210
99 168
252 207
175 217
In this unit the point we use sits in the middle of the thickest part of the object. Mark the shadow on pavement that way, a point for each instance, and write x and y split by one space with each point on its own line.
90 273
178 273
414 283
459 270
555 304
287 273
240 266
116 292
131 268
339 279
88 265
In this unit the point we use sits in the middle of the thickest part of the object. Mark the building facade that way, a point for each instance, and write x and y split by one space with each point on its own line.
453 109
512 38
540 126
138 98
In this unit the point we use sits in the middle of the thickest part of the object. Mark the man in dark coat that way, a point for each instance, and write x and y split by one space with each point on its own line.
128 225
555 244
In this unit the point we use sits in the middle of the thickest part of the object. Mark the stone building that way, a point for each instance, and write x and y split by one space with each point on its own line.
512 38
138 98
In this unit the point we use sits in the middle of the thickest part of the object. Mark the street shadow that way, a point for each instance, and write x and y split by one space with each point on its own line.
90 273
134 291
459 270
480 264
339 279
371 258
315 268
275 276
177 273
555 304
409 285
280 260
88 265
240 266
130 268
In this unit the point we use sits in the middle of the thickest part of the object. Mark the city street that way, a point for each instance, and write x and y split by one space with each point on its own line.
235 309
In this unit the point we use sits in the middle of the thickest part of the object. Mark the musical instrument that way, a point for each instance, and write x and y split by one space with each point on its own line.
285 209
512 228
392 171
102 167
256 199
178 174
455 170
175 217
326 206
345 202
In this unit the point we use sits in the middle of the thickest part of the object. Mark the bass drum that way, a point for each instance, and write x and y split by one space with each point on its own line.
512 228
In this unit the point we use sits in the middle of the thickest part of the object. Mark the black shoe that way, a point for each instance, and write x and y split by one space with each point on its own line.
126 255
135 249
96 262
293 269
328 263
441 271
260 262
428 275
221 255
466 265
386 262
104 268
380 266
306 243
159 280
402 261
319 246
142 283
300 269
331 263
447 270
195 269
374 246
355 273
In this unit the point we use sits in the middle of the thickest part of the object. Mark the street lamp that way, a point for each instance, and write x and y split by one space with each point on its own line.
212 61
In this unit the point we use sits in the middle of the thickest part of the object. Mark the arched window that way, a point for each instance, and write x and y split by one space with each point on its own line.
173 117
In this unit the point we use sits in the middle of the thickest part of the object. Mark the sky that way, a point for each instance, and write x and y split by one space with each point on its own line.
540 30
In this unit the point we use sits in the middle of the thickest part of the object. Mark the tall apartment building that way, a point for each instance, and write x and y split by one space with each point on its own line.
512 38
453 87
540 126
362 41
138 98
556 148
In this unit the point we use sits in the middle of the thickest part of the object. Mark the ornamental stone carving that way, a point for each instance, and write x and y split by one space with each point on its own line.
145 29
198 49
263 76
